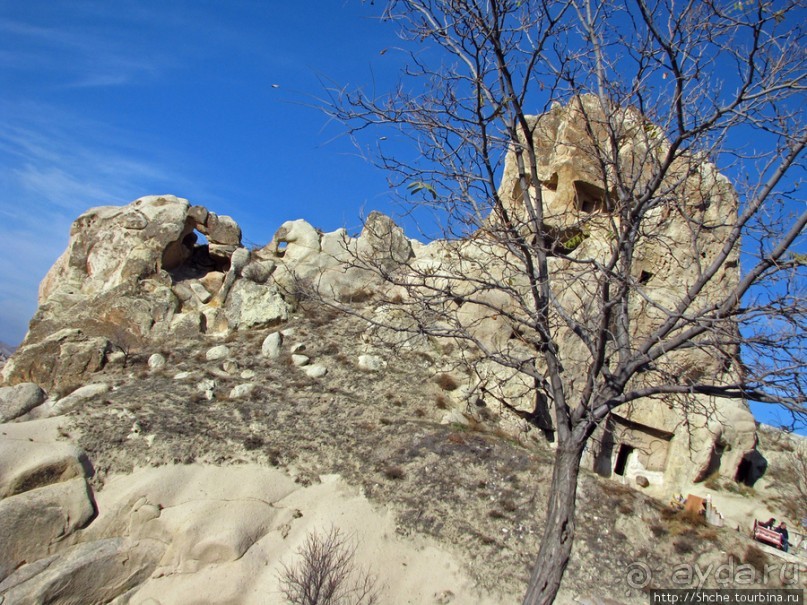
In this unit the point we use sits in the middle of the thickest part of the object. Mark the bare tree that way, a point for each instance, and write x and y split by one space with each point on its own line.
658 94
326 573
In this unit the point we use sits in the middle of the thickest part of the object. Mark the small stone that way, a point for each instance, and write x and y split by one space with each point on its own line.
248 374
208 387
115 357
271 345
183 375
243 391
371 363
218 352
315 371
300 360
18 400
156 361
201 292
642 481
79 397
230 366
298 348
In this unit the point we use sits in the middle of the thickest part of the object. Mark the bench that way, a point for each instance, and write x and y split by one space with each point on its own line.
768 536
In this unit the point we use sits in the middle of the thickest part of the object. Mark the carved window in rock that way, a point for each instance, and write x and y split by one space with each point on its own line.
589 198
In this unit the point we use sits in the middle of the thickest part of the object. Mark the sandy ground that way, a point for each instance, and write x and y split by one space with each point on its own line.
211 513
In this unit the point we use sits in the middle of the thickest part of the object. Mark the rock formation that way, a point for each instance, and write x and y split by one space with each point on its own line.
140 274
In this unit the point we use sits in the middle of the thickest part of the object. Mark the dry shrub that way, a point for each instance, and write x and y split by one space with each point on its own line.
658 531
441 402
456 439
253 442
357 296
756 558
685 545
326 573
446 382
709 534
394 473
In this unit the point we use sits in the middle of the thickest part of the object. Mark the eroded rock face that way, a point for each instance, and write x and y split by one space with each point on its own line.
676 440
137 274
129 275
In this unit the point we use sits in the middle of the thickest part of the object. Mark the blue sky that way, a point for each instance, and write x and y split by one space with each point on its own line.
103 102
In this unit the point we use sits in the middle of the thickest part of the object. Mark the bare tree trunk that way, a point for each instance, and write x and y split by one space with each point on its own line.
556 545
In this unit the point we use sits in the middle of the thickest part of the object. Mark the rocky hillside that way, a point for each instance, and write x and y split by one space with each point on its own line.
249 403
185 413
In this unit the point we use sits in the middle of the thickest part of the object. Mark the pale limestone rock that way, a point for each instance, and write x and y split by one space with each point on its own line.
26 465
124 275
371 363
156 361
297 348
230 366
213 280
188 326
116 358
92 572
222 230
18 400
239 260
271 345
243 391
32 522
250 305
315 370
64 355
200 292
259 271
294 242
217 353
248 374
383 242
208 388
78 398
300 360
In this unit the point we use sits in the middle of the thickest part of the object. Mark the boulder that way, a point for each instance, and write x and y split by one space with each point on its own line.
68 355
18 400
271 345
383 243
156 361
315 370
243 391
251 305
371 363
221 230
299 360
259 271
125 273
78 398
27 465
217 353
88 573
32 522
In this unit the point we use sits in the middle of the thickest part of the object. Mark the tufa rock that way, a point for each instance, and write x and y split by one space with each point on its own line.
18 400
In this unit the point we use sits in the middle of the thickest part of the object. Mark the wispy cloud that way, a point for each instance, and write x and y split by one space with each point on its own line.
53 166
81 58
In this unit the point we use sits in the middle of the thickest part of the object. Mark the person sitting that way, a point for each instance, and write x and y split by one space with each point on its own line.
782 529
769 523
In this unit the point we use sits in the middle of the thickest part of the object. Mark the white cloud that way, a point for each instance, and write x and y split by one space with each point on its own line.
54 166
